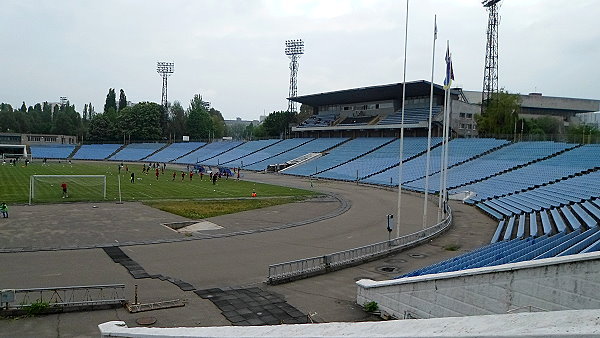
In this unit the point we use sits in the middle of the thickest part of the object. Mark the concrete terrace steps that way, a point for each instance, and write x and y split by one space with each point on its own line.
354 158
75 150
157 150
515 167
285 151
116 151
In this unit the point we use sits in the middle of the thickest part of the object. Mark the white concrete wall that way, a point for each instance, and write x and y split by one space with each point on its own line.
560 283
554 324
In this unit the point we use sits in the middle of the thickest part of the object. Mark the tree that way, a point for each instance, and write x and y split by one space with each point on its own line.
500 115
199 123
583 134
141 121
122 100
178 121
278 122
110 102
100 129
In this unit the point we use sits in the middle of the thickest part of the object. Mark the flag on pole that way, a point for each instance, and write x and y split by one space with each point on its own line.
449 70
435 27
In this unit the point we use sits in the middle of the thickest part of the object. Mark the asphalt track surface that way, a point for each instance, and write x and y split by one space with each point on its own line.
62 245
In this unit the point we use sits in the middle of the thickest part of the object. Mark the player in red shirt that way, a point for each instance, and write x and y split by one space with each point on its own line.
64 189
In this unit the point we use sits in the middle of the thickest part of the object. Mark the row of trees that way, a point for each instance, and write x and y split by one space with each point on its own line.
44 118
501 118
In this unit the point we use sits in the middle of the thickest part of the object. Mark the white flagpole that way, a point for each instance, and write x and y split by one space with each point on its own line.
442 156
402 127
448 100
426 200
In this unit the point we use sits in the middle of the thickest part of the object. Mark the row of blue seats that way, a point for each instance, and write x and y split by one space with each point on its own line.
571 190
382 158
57 151
268 152
460 150
208 151
314 146
411 116
549 221
571 162
229 158
518 250
173 151
505 158
96 151
339 155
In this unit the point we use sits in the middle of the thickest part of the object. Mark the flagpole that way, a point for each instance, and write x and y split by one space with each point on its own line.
426 200
442 156
402 127
448 100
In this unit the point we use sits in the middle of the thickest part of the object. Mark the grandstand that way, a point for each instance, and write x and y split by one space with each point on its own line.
338 156
380 159
315 146
96 151
207 152
53 151
229 158
460 150
269 152
173 151
136 151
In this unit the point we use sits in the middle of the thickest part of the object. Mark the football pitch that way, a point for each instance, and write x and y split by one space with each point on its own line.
15 184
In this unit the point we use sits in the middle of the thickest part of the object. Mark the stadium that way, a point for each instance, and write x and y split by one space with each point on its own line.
387 211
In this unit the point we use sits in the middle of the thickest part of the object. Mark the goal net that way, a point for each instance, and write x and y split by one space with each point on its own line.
49 188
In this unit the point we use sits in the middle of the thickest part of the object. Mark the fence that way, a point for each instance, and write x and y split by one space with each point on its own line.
303 268
63 297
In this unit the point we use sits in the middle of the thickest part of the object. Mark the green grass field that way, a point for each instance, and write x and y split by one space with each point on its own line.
14 184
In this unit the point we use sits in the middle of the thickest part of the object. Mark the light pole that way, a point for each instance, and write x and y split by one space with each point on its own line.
165 69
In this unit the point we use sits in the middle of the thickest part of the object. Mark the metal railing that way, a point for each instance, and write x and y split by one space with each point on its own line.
302 268
66 296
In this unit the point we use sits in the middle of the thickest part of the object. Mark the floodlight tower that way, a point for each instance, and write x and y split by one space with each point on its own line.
293 49
165 69
490 72
63 100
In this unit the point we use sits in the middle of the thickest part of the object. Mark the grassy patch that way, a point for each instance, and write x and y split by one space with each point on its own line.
14 184
206 209
452 247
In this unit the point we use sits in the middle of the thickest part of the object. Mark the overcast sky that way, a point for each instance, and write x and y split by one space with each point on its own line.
232 51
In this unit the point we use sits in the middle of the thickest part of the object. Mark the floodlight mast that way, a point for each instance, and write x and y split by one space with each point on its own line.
490 72
293 49
165 69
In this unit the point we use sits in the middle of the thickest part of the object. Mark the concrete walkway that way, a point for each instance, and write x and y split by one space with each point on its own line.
222 262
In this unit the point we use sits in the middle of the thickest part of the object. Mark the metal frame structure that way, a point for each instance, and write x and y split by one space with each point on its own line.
490 72
293 49
165 69
33 177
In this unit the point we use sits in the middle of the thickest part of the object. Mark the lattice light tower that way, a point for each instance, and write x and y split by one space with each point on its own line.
165 69
490 72
293 49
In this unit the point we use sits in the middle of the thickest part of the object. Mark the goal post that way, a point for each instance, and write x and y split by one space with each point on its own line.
48 188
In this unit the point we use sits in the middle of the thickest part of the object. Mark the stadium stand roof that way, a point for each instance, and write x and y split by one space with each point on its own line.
374 93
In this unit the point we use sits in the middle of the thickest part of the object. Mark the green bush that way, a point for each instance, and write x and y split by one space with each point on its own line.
371 306
36 308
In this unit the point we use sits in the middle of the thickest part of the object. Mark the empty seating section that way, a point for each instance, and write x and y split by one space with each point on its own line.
271 151
459 150
571 190
59 151
315 146
518 250
237 152
356 121
380 159
570 162
338 155
321 120
95 151
136 151
505 158
208 151
174 151
411 115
